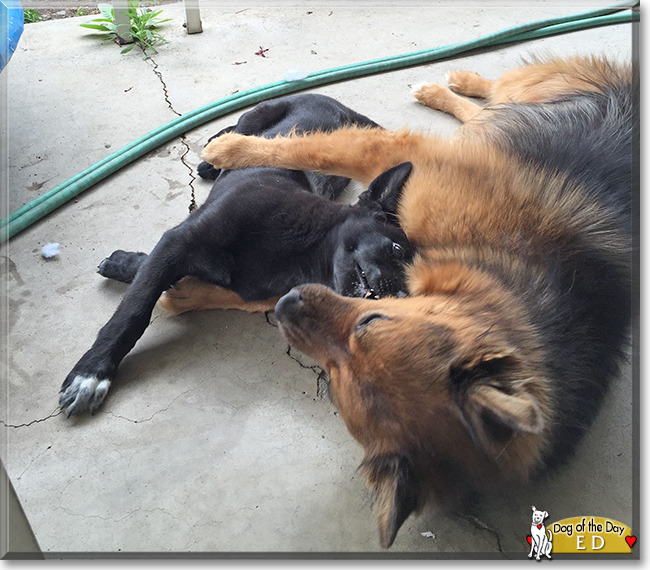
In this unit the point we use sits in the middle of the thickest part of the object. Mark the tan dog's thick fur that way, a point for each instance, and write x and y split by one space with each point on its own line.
520 294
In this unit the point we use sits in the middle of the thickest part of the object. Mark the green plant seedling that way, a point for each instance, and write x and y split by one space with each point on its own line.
30 16
143 24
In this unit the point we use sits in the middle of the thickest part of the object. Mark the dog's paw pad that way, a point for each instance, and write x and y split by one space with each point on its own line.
85 393
418 89
229 151
106 268
464 82
122 265
431 94
452 78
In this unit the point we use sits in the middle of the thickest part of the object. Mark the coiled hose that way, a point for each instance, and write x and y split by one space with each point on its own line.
46 203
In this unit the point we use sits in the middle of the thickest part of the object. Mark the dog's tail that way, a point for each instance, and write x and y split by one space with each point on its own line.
550 535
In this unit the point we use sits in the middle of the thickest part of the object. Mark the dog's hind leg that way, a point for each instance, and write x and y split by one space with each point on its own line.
86 386
191 294
443 99
352 152
548 540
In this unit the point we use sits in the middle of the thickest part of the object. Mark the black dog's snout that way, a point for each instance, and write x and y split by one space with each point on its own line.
288 305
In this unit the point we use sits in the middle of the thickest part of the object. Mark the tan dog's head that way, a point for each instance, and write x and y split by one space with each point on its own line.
441 394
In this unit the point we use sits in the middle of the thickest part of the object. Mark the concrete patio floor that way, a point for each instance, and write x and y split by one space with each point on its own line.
216 439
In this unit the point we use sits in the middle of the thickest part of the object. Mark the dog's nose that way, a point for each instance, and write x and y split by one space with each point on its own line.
288 305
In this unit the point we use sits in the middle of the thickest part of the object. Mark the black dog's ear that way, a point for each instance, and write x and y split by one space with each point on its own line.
392 479
386 189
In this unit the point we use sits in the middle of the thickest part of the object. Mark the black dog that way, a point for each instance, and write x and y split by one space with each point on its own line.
260 232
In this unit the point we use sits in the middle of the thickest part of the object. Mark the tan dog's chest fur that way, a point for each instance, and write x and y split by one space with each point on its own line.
505 337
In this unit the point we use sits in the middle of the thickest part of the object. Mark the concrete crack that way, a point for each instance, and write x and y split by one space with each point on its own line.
193 205
33 461
270 318
322 380
152 415
52 415
479 524
317 369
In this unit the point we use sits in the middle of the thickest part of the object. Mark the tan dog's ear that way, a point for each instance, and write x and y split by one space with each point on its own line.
494 402
392 479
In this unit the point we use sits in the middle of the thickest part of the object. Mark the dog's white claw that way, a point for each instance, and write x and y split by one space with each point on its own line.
85 393
417 86
418 90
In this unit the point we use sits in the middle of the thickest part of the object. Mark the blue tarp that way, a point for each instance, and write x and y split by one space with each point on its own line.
11 28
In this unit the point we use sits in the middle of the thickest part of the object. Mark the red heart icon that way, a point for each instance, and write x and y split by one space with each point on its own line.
530 539
630 540
539 526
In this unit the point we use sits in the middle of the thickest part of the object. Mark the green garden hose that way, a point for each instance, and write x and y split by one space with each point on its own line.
46 203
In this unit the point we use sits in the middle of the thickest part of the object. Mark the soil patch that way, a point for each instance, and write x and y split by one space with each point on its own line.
58 9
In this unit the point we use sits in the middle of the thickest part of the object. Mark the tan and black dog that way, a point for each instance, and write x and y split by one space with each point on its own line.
520 294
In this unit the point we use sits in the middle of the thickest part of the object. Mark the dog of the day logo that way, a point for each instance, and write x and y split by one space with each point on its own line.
540 539
578 535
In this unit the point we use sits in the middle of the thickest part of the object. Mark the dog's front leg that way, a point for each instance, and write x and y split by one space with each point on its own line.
353 152
540 547
86 386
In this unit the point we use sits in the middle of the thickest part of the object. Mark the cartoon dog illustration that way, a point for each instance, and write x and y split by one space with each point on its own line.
540 543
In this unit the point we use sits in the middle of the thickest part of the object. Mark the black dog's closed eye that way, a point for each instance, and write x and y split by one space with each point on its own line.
369 318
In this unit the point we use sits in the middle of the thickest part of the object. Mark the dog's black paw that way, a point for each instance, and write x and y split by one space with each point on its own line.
122 265
83 394
208 172
85 388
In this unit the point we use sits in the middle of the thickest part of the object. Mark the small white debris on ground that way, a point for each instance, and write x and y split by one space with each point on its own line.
294 75
428 534
50 250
